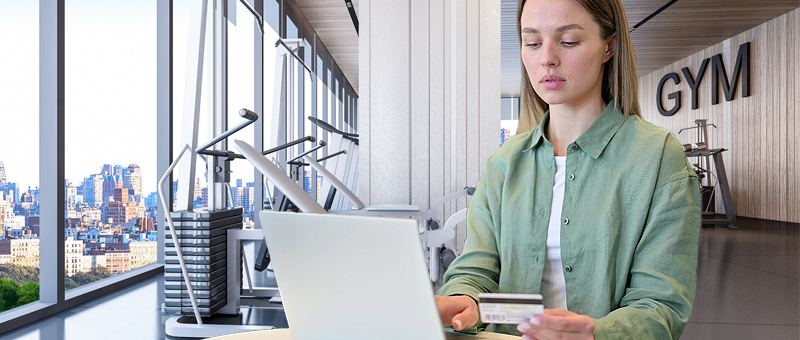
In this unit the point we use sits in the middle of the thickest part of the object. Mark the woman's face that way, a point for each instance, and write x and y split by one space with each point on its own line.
562 51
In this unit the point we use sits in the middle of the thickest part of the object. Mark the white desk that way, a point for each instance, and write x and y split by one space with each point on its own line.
283 334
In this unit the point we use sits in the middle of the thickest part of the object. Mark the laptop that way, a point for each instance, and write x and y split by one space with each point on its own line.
352 277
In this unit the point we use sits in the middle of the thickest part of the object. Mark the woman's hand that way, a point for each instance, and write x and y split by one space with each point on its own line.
458 311
557 324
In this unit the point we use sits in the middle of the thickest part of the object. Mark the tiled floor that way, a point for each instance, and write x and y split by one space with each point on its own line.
748 284
748 288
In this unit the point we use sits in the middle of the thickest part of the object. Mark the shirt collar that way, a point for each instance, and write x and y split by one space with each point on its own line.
594 140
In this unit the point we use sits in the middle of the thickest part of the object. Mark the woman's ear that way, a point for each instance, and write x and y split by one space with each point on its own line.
610 47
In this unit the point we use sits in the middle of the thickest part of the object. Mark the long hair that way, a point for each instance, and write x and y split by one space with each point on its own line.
619 78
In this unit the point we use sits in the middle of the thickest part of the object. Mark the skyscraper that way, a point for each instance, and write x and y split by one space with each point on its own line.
3 181
197 189
132 179
109 184
93 190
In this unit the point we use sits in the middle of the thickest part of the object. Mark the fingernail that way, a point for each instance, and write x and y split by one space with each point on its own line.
526 337
459 325
523 327
535 321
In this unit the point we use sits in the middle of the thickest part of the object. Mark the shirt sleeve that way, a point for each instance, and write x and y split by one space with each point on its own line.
663 275
477 269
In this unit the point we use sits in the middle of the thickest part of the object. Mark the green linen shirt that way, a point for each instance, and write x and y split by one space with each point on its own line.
629 227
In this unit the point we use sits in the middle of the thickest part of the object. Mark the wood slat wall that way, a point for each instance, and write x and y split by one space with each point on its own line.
761 131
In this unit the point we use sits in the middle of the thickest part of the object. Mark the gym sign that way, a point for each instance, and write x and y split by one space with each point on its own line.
718 75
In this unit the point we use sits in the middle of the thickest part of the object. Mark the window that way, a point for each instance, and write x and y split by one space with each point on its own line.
19 154
509 118
241 95
110 165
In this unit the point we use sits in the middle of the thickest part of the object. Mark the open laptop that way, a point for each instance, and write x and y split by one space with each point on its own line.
352 277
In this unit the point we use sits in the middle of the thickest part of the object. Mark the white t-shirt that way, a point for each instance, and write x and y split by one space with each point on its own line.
554 288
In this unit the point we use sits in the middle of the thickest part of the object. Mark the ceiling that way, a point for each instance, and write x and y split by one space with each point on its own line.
331 20
683 29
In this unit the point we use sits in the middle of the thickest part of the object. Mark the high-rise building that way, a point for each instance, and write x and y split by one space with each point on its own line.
93 190
119 210
132 179
3 180
6 213
12 191
197 189
151 201
244 199
110 183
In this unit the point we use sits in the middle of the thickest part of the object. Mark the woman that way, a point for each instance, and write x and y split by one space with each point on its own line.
594 208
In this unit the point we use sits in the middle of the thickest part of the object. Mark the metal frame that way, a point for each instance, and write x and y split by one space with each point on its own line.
722 180
164 104
51 150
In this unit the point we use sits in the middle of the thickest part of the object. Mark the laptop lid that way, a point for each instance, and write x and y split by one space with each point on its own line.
351 277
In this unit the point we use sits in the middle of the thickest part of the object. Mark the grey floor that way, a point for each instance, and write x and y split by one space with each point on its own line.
748 288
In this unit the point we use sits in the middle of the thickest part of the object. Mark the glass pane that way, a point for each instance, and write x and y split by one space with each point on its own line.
110 142
509 118
241 95
272 69
272 13
336 113
291 29
308 185
329 103
182 14
19 167
505 109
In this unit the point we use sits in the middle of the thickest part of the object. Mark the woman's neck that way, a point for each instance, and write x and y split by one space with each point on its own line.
569 121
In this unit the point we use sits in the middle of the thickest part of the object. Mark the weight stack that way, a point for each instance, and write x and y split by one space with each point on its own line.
202 236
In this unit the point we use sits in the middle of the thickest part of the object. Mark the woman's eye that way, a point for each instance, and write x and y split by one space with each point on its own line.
569 43
533 45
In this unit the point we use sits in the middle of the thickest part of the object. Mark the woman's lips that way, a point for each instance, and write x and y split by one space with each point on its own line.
552 82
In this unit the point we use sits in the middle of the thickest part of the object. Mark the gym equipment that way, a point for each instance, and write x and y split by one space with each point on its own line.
700 149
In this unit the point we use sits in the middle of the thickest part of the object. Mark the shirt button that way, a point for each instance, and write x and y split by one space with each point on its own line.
566 220
568 268
574 146
571 177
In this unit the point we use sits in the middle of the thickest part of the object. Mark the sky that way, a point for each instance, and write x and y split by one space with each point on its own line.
110 84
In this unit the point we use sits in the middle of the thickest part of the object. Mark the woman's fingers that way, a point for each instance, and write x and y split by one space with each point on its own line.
466 319
558 324
459 312
565 322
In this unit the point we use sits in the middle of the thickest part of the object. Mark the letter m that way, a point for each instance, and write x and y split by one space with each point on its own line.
742 67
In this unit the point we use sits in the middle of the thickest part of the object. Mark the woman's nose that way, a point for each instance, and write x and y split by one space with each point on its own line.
548 56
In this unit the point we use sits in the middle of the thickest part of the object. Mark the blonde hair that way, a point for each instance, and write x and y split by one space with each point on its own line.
619 77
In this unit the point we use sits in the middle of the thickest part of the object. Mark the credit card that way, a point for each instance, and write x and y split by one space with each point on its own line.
503 308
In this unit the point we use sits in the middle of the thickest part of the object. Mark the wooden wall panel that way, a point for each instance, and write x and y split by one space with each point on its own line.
760 131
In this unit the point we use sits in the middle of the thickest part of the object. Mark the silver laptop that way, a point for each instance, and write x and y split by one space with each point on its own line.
352 277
